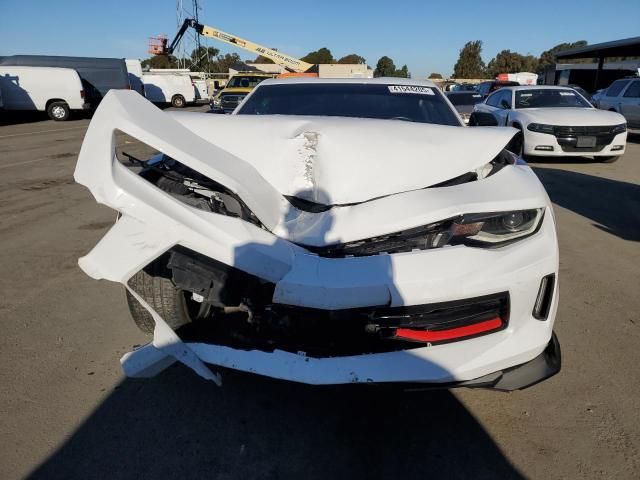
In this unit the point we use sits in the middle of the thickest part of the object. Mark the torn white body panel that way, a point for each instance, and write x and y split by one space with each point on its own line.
304 154
353 159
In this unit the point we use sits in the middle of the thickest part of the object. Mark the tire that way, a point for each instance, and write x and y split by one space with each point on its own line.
154 285
178 101
58 111
610 159
472 121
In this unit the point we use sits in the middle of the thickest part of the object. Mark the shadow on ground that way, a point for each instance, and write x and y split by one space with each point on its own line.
633 137
613 205
21 117
179 426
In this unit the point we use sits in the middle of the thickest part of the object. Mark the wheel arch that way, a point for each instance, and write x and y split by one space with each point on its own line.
53 100
517 123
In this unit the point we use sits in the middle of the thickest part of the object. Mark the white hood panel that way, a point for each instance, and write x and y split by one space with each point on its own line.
335 160
572 117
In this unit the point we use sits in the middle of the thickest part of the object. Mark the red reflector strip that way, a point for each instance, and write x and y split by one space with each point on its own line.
452 333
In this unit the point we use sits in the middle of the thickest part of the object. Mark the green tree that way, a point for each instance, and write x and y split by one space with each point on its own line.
435 76
403 72
261 59
204 58
352 58
223 62
384 68
322 55
511 62
470 64
548 57
160 61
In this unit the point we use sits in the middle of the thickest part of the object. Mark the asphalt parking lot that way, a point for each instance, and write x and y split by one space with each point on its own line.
67 412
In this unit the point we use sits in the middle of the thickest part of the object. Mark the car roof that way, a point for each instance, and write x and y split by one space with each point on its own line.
538 87
374 81
252 74
500 82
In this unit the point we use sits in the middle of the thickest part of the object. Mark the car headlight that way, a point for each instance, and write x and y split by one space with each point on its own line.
619 128
217 102
540 128
483 230
490 229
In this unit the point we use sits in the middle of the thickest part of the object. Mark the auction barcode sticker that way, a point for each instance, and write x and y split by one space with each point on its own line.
411 89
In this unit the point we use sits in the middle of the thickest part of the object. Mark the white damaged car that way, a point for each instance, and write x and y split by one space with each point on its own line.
554 121
331 231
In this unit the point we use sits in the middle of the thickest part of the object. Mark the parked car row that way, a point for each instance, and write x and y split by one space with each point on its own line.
161 88
61 85
56 91
464 101
236 89
553 121
58 85
623 96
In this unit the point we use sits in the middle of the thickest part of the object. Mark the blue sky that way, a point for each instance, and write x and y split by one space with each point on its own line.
426 36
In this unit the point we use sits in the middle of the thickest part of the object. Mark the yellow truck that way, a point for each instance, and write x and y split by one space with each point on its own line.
238 87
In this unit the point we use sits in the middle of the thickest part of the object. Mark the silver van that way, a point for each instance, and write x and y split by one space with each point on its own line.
623 96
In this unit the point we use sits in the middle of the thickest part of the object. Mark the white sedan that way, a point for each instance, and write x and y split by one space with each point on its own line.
554 121
330 231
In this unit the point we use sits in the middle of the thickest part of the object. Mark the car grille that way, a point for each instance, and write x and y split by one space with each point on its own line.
568 137
231 101
561 131
334 333
263 325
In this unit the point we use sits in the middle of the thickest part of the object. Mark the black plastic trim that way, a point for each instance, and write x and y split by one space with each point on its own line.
519 377
544 297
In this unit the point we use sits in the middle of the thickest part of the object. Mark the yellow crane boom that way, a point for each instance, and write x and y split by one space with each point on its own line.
287 61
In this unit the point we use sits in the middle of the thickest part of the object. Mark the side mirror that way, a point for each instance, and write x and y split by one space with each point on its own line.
483 119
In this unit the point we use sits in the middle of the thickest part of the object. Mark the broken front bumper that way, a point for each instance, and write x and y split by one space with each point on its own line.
148 361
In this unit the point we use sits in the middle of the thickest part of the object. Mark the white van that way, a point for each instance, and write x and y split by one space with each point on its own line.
168 88
201 89
54 90
134 72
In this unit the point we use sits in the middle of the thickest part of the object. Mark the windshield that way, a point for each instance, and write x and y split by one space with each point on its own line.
397 102
549 98
244 81
470 98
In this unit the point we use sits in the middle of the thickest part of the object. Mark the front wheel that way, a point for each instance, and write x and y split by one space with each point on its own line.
178 101
58 111
174 305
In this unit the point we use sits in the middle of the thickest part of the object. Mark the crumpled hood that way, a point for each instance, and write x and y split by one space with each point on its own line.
569 116
335 160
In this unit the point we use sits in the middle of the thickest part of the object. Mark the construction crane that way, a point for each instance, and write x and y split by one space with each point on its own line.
160 45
